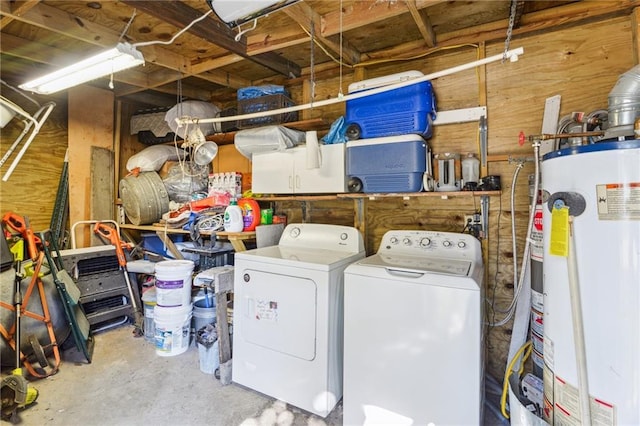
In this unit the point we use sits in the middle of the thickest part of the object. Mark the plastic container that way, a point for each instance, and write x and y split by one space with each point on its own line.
389 164
173 283
172 329
203 314
233 221
409 109
470 168
250 214
149 303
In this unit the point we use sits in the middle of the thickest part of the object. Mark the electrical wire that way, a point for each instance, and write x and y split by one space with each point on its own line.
526 349
178 34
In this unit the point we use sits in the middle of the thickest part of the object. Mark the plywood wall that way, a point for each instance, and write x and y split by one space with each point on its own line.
31 189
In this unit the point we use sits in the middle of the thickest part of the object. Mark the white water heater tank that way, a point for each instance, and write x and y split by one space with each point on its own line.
601 185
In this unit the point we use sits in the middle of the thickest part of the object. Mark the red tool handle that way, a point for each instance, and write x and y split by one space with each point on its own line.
111 234
21 225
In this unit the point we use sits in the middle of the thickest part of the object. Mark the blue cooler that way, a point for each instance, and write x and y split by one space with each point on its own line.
390 164
406 110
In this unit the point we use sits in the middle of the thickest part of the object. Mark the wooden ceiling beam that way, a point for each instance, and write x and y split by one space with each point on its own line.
211 30
364 13
422 22
542 20
17 8
58 21
303 15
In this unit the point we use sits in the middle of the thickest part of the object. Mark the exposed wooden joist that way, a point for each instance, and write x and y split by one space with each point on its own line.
543 20
364 13
181 15
17 8
304 15
423 23
58 21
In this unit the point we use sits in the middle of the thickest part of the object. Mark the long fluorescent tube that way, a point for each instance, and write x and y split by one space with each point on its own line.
121 57
237 12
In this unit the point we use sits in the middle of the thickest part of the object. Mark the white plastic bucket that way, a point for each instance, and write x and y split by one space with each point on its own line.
172 328
173 283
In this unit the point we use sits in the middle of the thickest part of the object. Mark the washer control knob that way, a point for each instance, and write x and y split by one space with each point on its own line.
295 232
407 241
462 244
393 240
425 242
446 243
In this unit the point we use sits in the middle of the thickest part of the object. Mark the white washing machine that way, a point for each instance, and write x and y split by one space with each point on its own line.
288 315
413 332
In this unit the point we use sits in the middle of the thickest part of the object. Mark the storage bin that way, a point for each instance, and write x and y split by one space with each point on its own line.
390 164
406 110
265 103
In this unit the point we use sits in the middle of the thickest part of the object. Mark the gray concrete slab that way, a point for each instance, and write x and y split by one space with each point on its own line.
127 383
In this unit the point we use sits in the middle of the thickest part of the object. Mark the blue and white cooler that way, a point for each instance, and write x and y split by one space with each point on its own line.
405 110
389 164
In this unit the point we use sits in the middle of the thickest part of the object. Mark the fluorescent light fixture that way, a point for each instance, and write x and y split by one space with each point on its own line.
237 12
121 57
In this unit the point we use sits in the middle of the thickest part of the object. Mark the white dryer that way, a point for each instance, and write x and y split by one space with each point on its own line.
413 332
288 315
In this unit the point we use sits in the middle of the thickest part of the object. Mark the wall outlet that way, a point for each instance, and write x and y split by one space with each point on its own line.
472 219
473 224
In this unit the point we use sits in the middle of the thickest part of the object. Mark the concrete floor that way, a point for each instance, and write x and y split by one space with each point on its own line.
127 383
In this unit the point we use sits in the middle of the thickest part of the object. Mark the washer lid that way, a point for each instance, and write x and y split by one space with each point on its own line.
300 257
420 264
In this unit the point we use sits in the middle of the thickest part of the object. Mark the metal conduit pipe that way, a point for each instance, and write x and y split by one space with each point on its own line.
624 103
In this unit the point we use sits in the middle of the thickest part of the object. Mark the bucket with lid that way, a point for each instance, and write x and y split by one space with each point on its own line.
173 282
172 329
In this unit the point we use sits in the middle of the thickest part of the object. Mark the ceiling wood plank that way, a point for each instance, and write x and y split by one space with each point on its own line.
423 23
181 15
542 20
303 14
364 13
58 21
17 8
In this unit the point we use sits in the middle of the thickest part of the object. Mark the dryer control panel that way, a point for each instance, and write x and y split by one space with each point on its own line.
430 243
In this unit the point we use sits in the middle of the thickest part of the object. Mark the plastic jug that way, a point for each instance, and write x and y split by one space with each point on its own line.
233 218
470 169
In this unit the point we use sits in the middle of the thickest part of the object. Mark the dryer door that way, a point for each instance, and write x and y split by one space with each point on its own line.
278 312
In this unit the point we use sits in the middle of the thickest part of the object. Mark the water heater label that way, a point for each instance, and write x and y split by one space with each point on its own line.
567 407
618 201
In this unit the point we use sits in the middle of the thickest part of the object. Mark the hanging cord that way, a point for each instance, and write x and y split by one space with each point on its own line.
512 19
178 34
312 76
340 93
124 31
126 28
246 30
